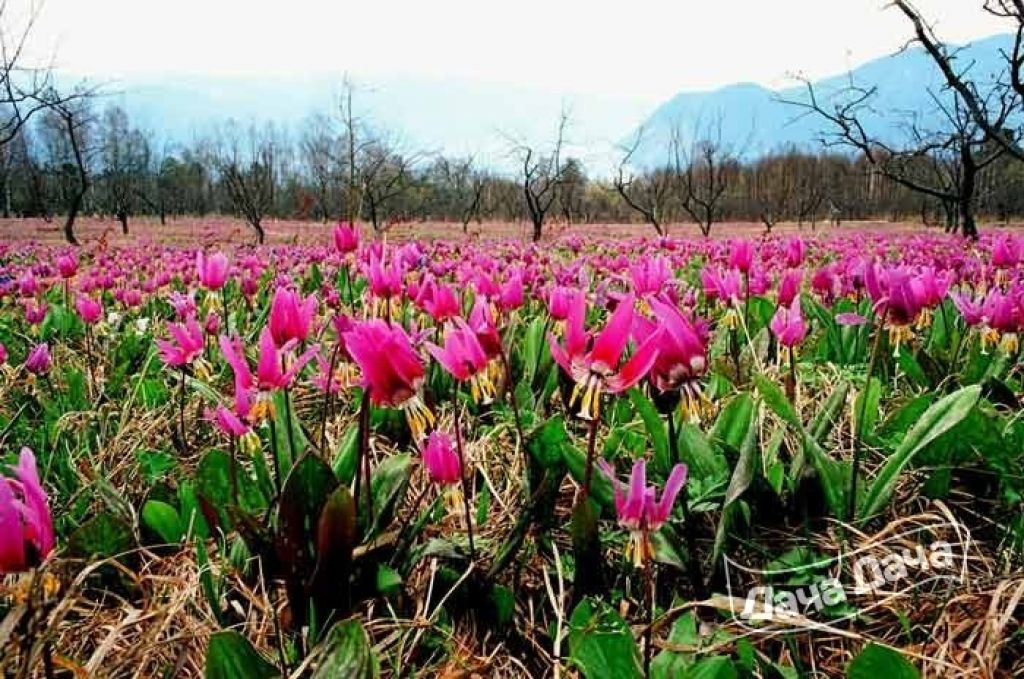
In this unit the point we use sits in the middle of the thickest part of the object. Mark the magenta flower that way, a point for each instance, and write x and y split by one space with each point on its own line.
346 238
1006 252
682 354
789 286
638 509
89 310
594 365
438 300
511 295
26 525
386 281
67 266
392 371
441 459
274 370
212 270
3 353
560 301
464 358
795 251
186 344
788 325
38 361
291 316
741 255
35 312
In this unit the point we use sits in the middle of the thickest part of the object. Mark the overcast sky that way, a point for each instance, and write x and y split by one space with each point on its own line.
647 49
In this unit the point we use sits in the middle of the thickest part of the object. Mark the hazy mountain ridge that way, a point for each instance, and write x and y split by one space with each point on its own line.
485 119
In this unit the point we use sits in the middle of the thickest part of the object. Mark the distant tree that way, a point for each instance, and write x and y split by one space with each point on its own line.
542 176
464 184
124 162
703 172
648 194
384 176
247 168
67 125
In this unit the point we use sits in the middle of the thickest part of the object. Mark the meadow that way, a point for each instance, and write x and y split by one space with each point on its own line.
335 456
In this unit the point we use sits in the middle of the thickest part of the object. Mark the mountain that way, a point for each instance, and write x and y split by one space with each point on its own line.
422 114
754 120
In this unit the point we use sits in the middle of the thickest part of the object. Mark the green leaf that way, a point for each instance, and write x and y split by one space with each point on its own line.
104 535
742 476
346 652
389 483
827 417
695 450
214 485
504 604
909 364
777 401
231 656
669 664
600 486
655 429
942 416
344 463
715 667
601 644
731 426
546 441
875 661
872 393
162 519
389 581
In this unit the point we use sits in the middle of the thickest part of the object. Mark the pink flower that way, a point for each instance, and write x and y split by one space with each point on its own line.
741 255
392 371
26 525
788 324
850 319
795 250
35 312
38 361
184 305
638 509
273 371
385 281
67 265
481 320
291 316
1006 252
464 358
441 459
212 271
346 237
789 286
560 301
439 301
3 353
511 295
185 346
89 310
682 349
594 366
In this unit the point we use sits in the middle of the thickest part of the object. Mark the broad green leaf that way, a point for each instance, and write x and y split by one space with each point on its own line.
742 476
867 402
731 426
715 667
104 535
162 519
231 656
655 429
695 450
389 482
777 401
601 644
832 412
875 662
942 416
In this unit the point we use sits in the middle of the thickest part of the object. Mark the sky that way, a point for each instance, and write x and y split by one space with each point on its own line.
640 49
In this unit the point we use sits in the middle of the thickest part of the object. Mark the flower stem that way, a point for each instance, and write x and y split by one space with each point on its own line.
649 630
327 396
364 445
514 402
181 410
588 472
689 529
462 478
852 501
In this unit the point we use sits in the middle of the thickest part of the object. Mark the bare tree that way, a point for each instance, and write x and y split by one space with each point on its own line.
962 142
68 121
647 194
384 175
465 185
125 159
989 101
703 173
248 170
541 177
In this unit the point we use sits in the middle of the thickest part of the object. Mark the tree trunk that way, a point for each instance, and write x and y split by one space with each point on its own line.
538 227
122 217
261 235
967 190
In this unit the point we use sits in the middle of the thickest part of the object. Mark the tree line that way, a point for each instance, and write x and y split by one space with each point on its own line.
63 154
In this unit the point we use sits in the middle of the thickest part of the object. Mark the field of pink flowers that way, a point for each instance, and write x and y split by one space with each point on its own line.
339 457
